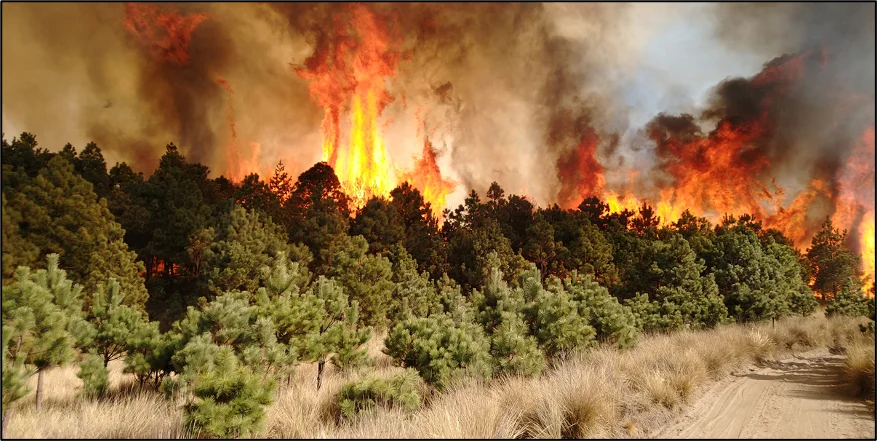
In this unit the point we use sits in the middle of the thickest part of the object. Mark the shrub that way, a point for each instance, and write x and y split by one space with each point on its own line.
94 375
230 399
439 349
513 351
366 394
849 301
612 321
554 320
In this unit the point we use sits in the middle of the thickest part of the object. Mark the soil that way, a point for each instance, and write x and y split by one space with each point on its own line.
801 396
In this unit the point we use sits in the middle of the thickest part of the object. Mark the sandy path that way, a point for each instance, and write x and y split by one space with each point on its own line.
797 397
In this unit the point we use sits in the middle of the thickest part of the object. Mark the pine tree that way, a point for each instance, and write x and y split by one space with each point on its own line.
669 273
612 321
16 251
281 185
243 243
149 352
553 318
513 351
380 223
414 294
90 164
318 210
94 375
850 301
367 280
42 310
338 337
397 392
116 325
64 216
795 294
15 373
256 195
422 237
830 262
440 349
496 299
230 398
541 247
174 199
500 312
23 155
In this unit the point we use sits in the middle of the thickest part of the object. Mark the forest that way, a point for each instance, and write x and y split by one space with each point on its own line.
213 292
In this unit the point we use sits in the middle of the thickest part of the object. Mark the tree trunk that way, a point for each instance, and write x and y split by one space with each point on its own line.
5 422
320 372
39 394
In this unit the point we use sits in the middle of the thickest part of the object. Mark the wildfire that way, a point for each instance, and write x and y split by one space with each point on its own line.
580 173
351 67
237 167
427 178
165 34
617 203
867 231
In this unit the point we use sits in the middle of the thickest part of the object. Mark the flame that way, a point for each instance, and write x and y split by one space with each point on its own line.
617 203
351 65
580 173
426 177
147 23
725 171
867 231
793 220
365 170
856 200
238 166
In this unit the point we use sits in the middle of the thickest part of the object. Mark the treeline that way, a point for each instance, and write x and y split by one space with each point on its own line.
230 285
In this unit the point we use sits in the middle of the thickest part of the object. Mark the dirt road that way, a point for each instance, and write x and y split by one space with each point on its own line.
797 397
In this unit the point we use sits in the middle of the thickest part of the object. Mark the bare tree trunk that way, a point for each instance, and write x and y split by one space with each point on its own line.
39 394
5 422
320 372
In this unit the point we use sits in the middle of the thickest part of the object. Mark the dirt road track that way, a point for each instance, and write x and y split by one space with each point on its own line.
797 397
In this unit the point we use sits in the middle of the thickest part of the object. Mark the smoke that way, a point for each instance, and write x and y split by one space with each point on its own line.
524 94
75 73
781 140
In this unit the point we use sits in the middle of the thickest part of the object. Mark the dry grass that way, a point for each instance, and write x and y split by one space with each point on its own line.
860 367
603 392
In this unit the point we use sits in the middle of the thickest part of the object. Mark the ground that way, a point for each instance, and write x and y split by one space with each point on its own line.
800 396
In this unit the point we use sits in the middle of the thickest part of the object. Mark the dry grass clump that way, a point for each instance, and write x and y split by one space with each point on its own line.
602 392
760 344
860 368
575 400
465 411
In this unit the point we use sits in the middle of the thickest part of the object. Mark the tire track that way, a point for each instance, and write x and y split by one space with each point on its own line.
798 397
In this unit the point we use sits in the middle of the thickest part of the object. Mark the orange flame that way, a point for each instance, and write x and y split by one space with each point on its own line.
237 168
867 231
352 65
147 23
617 203
580 173
426 177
